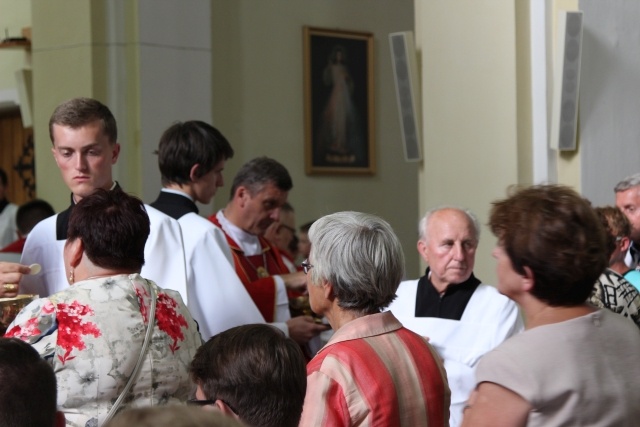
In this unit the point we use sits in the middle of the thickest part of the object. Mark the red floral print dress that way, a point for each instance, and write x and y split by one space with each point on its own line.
92 333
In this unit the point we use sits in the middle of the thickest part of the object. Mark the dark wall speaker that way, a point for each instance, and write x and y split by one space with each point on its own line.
566 82
405 73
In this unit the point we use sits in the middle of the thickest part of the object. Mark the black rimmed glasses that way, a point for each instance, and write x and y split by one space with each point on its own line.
306 266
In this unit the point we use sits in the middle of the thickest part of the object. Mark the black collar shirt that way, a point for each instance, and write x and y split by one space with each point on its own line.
450 305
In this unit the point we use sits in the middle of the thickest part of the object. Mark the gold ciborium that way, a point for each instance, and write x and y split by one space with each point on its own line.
300 306
11 307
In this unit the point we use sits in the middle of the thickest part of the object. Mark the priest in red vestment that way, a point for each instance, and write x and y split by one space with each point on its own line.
259 190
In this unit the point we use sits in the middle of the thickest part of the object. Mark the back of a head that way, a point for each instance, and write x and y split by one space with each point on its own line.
616 226
171 416
3 178
554 232
185 144
27 386
78 112
257 371
260 171
361 256
31 213
113 227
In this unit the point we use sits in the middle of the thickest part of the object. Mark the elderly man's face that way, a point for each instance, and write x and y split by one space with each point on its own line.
628 202
262 209
450 249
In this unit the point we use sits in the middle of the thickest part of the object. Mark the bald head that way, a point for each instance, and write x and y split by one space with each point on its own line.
424 222
448 243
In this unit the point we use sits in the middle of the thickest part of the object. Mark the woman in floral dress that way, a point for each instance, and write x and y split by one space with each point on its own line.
93 332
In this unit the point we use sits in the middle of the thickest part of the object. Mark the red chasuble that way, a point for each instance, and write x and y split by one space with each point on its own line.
255 275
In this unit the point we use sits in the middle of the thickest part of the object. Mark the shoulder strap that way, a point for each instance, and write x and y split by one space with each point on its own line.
143 351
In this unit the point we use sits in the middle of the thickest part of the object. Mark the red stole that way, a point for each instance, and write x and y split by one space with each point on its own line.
261 289
15 247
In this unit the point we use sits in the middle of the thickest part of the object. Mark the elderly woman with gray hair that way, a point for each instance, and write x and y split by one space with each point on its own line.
373 371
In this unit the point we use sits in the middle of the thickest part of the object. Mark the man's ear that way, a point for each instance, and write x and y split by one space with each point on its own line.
422 250
224 408
625 242
242 195
115 153
193 173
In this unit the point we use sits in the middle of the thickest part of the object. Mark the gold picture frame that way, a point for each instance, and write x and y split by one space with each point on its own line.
339 102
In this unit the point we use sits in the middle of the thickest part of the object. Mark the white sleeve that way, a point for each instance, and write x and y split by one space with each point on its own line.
164 253
42 248
217 299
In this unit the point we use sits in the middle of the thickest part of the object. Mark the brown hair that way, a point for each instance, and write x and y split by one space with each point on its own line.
78 112
257 173
27 386
113 227
171 416
615 224
185 144
554 232
257 371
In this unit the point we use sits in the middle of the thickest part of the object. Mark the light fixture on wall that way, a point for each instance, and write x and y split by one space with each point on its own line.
566 82
405 73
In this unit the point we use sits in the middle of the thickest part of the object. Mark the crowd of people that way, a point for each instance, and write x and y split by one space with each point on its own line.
147 309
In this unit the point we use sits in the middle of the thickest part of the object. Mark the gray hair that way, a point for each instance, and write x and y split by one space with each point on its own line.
627 183
360 255
257 173
424 222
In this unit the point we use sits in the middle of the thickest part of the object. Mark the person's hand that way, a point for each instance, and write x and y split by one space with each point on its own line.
295 281
10 276
303 328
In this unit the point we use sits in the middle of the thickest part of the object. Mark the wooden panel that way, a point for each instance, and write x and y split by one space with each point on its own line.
17 157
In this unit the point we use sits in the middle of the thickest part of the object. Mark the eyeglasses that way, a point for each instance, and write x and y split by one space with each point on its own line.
198 402
306 266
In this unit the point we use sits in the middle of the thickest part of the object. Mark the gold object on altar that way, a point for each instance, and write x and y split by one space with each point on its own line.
11 307
262 272
300 306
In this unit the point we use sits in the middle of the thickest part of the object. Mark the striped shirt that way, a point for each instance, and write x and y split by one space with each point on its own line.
375 372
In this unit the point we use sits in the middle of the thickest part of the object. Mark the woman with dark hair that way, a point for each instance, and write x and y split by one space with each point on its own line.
574 364
112 336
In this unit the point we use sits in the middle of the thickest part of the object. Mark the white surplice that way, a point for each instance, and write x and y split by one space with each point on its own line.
217 298
487 321
163 254
8 227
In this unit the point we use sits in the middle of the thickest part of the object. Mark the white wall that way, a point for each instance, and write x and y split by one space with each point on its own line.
175 74
469 93
609 124
258 104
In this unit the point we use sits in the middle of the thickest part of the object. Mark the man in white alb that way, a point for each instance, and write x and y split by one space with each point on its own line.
8 211
259 190
191 157
462 317
84 135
